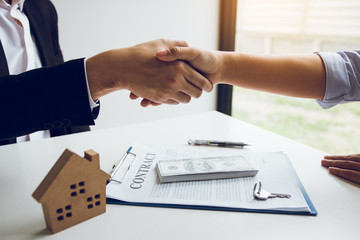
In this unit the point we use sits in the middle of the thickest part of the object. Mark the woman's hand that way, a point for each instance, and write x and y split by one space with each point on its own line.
347 167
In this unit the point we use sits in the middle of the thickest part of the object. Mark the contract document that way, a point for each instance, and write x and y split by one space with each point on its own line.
140 186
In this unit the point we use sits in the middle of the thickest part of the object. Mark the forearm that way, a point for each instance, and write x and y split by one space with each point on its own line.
100 77
296 75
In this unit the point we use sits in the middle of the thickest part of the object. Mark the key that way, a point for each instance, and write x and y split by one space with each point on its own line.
262 194
279 195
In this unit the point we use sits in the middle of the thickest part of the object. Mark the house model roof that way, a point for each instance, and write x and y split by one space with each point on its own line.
70 163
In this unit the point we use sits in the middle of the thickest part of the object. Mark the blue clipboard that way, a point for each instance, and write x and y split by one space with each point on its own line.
312 212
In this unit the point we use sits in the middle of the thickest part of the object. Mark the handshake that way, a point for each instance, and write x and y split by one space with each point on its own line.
160 72
171 72
164 71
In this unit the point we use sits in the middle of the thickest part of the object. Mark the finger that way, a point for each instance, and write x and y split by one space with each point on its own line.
155 104
181 97
133 96
351 175
195 78
171 102
180 43
178 53
191 90
352 157
341 164
145 103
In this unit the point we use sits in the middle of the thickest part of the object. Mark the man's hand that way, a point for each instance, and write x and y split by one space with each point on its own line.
207 62
138 70
347 167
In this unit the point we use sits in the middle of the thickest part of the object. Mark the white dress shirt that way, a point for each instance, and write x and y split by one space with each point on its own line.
20 49
18 43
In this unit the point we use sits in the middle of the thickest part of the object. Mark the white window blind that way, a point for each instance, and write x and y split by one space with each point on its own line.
297 26
300 17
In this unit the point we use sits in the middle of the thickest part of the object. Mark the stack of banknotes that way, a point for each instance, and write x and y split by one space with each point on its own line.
204 169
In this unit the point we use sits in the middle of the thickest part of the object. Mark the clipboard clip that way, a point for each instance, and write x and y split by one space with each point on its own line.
115 168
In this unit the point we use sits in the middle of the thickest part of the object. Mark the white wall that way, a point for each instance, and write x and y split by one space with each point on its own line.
88 27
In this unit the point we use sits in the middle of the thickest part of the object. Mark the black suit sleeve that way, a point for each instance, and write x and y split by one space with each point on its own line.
30 102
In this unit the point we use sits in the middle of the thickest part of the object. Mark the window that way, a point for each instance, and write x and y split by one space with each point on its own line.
73 187
60 211
95 198
292 27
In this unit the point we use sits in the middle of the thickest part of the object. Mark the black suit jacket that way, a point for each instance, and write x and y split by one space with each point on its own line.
53 97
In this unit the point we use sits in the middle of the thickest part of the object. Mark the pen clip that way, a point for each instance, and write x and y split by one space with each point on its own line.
116 169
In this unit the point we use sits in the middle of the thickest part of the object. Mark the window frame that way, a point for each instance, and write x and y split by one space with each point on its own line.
227 32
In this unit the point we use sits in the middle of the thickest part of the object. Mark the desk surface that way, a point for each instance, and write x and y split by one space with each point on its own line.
24 165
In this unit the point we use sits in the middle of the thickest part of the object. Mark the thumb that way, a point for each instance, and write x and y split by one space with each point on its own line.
178 53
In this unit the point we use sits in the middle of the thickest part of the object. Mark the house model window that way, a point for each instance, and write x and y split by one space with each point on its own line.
73 190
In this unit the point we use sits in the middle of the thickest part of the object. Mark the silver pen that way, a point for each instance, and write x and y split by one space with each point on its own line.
217 143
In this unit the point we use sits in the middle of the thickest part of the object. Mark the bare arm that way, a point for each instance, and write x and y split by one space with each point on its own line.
297 75
290 75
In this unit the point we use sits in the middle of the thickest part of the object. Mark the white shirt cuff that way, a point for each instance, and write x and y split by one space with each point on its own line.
337 80
91 101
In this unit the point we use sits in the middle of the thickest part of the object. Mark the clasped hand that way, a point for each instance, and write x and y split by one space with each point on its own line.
206 62
138 70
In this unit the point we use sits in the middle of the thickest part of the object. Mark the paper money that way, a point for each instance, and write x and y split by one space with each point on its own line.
204 169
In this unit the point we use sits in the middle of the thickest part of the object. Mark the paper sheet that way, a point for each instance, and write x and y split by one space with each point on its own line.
275 172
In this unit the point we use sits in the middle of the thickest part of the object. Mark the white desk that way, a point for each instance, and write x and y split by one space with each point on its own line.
24 165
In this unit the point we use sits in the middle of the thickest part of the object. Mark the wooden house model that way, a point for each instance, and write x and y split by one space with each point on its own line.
73 190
